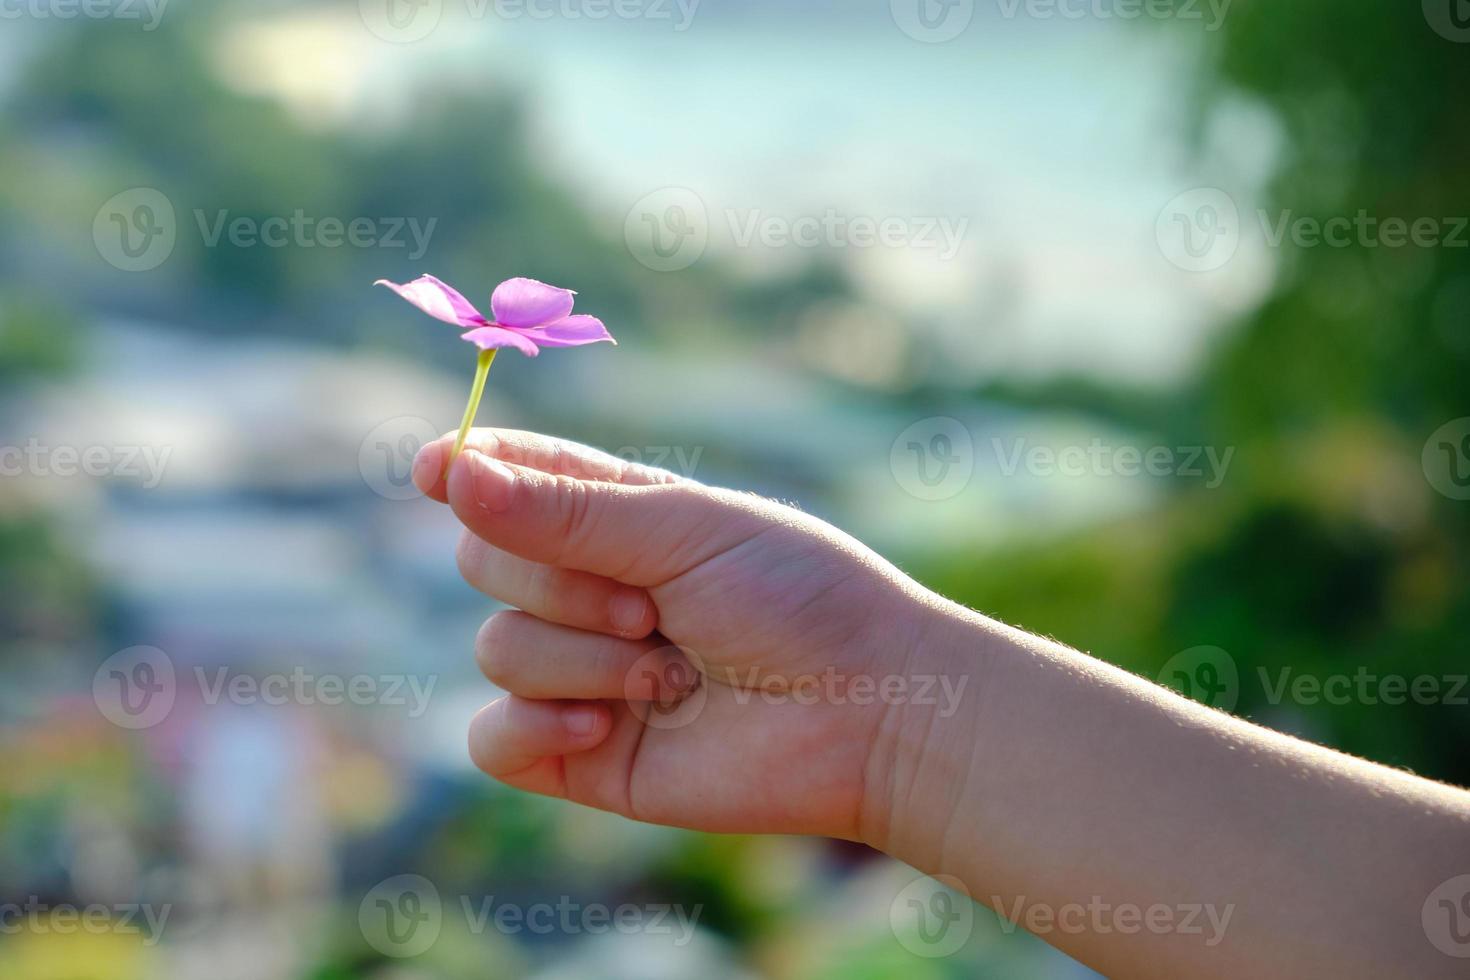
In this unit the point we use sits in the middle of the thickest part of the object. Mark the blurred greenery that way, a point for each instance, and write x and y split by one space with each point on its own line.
1324 552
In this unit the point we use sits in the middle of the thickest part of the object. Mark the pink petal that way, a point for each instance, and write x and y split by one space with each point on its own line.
487 337
571 331
528 303
439 300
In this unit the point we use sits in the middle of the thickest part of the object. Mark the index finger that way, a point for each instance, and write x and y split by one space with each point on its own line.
548 454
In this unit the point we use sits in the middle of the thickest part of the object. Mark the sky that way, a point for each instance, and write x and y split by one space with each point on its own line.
1026 161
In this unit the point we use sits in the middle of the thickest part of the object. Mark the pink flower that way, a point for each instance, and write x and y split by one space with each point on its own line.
529 315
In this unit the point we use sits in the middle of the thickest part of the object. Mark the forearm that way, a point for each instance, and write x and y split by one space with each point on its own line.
1087 793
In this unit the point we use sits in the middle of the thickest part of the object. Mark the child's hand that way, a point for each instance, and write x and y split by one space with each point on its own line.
617 567
1059 784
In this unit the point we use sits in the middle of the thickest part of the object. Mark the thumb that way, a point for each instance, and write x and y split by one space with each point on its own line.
640 535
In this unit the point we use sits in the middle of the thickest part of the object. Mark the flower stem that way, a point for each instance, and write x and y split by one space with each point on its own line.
482 368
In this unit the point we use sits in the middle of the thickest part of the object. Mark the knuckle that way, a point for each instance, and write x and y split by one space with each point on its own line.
539 587
577 508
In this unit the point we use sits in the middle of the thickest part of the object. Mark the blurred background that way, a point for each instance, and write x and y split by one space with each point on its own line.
1143 326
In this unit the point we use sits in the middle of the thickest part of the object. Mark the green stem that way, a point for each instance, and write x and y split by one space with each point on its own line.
482 369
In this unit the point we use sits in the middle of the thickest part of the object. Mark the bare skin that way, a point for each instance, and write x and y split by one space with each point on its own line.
691 656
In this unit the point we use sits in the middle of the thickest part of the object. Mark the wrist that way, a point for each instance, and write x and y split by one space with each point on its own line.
924 751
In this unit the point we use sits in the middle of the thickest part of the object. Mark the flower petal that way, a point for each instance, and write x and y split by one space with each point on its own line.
439 300
528 303
570 331
487 337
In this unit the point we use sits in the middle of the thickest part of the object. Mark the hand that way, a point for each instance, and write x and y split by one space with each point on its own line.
682 653
1062 785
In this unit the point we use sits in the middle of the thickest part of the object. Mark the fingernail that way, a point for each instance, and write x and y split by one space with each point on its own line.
627 609
425 470
581 720
492 480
